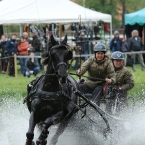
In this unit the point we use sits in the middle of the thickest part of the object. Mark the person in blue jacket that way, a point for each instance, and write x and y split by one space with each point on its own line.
11 47
116 42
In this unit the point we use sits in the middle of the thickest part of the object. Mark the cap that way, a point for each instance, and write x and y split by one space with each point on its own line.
116 32
82 33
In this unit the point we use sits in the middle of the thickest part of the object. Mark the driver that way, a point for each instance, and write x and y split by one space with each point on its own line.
98 66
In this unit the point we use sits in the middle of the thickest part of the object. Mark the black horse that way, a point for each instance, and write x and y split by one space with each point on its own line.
49 98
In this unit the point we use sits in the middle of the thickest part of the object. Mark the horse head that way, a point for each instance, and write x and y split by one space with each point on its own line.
59 54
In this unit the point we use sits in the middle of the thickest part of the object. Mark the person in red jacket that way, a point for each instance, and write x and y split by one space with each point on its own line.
23 52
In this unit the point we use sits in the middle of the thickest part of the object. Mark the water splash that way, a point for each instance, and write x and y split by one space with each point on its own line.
14 118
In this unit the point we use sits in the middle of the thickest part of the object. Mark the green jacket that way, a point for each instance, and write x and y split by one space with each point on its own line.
98 69
124 79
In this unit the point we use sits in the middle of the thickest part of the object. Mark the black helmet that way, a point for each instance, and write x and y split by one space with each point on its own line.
117 55
100 47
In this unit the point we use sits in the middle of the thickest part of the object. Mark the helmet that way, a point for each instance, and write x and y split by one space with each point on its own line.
82 34
117 55
100 47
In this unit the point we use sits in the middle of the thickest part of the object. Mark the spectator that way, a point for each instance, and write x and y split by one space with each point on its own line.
83 42
73 27
81 28
116 42
26 36
23 51
135 44
96 30
4 54
32 65
124 48
48 30
11 47
36 44
77 50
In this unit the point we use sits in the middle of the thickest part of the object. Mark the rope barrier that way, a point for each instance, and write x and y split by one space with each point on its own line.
78 56
82 55
132 52
20 56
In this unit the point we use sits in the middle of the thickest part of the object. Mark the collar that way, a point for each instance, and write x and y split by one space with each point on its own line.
118 68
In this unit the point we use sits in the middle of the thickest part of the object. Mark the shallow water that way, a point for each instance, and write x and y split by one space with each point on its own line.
14 120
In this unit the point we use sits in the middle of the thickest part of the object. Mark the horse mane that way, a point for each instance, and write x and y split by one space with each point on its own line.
45 54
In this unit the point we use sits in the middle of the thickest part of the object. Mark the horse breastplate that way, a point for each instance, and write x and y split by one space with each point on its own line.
49 96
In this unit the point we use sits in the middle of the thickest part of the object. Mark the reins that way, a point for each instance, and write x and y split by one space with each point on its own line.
90 78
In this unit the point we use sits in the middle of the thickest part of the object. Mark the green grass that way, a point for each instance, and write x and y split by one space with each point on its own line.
14 85
139 79
18 86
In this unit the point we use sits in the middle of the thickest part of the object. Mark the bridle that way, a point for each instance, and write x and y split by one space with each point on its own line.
61 63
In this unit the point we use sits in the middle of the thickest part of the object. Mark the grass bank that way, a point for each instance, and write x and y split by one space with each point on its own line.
11 86
14 86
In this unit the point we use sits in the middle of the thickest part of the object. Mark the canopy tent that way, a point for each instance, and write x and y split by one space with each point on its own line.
135 21
137 17
47 11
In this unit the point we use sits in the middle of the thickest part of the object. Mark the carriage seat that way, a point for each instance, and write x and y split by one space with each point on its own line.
105 92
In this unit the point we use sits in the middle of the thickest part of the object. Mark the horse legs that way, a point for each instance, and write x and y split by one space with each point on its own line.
62 126
43 136
30 133
47 123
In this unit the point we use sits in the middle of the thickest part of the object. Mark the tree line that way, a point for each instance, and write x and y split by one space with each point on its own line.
112 7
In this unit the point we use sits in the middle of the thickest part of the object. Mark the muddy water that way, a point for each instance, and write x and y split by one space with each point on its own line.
14 118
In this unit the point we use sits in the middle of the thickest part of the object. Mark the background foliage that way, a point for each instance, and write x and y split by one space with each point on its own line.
110 7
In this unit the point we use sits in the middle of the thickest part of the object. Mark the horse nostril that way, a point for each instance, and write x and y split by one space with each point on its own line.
62 80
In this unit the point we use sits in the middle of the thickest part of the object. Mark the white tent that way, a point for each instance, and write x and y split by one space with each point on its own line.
47 11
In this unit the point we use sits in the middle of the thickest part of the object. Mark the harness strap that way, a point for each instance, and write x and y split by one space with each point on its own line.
61 63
